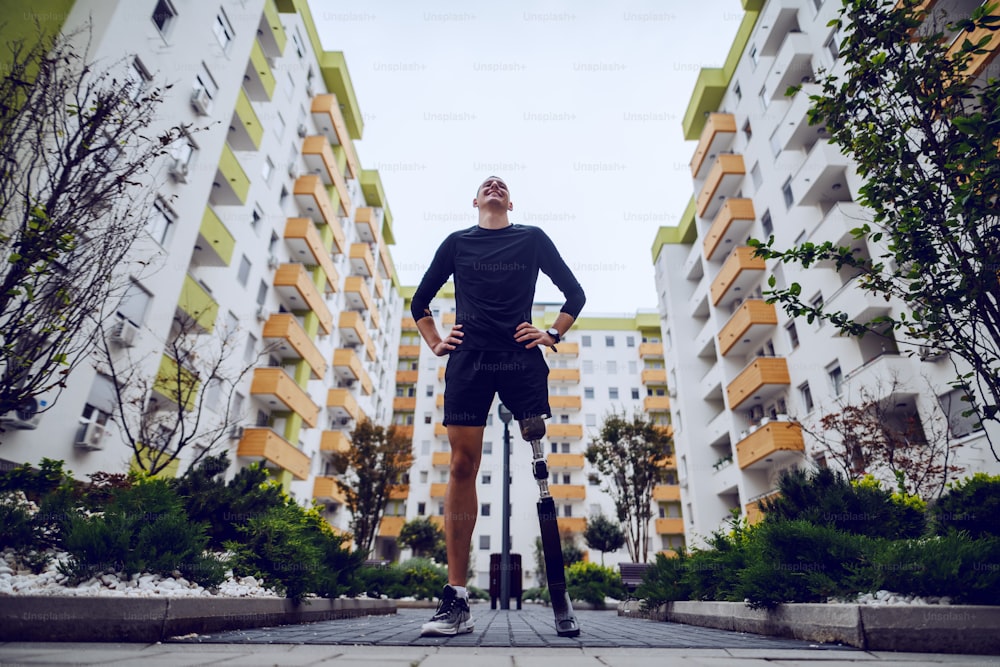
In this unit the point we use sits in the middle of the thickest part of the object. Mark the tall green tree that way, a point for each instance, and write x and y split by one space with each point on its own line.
909 104
423 536
604 535
79 147
631 454
379 458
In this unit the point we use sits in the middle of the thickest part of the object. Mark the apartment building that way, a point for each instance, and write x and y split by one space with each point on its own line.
604 364
747 377
267 235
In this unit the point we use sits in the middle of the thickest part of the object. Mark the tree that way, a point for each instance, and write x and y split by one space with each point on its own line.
922 130
604 535
631 454
186 404
423 536
77 147
378 459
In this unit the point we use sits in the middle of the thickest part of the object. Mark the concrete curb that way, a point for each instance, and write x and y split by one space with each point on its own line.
99 619
969 629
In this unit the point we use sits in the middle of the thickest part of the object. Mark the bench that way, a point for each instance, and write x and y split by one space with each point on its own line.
632 574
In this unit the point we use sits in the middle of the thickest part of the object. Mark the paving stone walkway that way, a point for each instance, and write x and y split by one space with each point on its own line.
530 627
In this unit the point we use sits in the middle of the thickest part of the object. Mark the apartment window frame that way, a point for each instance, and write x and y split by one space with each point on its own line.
161 224
243 271
786 193
793 334
223 30
164 17
805 395
767 224
836 376
585 340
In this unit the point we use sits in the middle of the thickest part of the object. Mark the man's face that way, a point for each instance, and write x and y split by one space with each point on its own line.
493 193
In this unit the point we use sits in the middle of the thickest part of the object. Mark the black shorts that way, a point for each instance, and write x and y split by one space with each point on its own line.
472 378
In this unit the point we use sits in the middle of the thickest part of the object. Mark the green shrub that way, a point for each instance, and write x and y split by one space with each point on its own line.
825 498
376 582
713 573
590 582
797 561
539 593
420 578
666 580
972 505
17 530
35 482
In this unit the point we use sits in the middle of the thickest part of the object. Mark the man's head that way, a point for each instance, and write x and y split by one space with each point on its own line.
493 194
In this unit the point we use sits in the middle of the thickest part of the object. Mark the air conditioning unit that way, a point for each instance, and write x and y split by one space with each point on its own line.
179 170
92 438
344 421
302 130
348 383
201 101
672 392
310 89
263 314
123 333
25 417
293 170
273 262
927 353
236 433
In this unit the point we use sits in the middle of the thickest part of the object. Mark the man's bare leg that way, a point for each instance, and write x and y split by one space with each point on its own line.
461 503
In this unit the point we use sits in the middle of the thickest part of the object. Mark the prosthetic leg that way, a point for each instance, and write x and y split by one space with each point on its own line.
532 430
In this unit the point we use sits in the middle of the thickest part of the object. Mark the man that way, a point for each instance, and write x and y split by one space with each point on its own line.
493 349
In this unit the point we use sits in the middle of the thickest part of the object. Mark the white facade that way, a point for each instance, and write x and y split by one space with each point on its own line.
745 373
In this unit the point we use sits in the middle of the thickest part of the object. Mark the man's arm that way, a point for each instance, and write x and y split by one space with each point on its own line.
442 266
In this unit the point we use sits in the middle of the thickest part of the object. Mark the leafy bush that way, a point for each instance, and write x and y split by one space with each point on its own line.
666 580
35 482
421 579
713 573
17 530
972 505
375 581
825 498
590 582
539 593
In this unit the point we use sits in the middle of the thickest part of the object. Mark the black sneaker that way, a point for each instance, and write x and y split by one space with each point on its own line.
452 618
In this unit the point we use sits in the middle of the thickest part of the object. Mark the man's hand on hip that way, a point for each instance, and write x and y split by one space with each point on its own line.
526 332
450 342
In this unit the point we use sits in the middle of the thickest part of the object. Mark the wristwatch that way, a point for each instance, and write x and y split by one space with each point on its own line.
555 334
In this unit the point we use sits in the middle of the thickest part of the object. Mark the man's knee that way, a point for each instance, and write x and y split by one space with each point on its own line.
532 428
463 466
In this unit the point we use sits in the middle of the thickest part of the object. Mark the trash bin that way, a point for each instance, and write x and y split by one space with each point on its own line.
516 587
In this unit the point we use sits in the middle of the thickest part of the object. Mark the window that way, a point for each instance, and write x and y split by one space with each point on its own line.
609 341
161 222
635 393
138 78
256 215
163 16
763 97
953 404
629 341
793 334
613 393
593 479
134 304
421 509
786 192
484 542
836 378
806 395
267 169
633 367
425 447
205 89
182 154
564 447
590 420
484 509
250 352
588 367
775 143
262 293
300 49
223 30
585 340
428 418
588 392
244 271
612 367
488 447
487 478
429 390
554 447
766 224
567 510
817 303
563 419
831 46
423 476
738 92
754 55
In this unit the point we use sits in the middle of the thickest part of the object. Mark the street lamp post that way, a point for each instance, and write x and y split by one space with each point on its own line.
505 417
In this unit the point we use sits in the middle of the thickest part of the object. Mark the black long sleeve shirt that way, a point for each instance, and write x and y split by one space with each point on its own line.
495 272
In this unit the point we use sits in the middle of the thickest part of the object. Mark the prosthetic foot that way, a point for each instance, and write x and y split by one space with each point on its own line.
533 430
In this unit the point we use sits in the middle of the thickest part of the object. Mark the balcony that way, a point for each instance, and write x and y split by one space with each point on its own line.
334 442
390 526
266 445
654 376
215 243
404 403
245 129
258 80
295 286
441 459
565 351
710 387
441 372
740 272
348 368
564 431
791 66
698 303
374 316
407 377
564 376
771 444
440 430
362 261
978 61
319 159
822 178
197 306
568 491
656 404
404 430
176 383
566 403
666 493
571 524
859 306
722 182
384 261
356 294
716 137
399 492
325 488
438 490
342 406
752 509
329 120
776 20
409 351
289 340
731 227
794 133
408 324
565 461
367 221
270 31
747 327
760 380
670 526
379 288
276 388
231 184
353 332
306 246
439 400
312 199
650 350
447 319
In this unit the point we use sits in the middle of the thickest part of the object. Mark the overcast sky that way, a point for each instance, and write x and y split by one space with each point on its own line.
576 105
